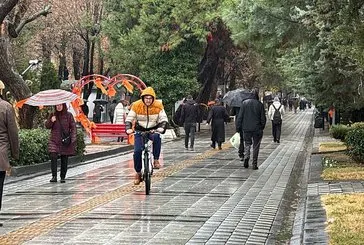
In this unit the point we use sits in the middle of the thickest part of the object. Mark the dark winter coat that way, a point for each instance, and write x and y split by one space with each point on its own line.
69 125
218 115
251 116
190 112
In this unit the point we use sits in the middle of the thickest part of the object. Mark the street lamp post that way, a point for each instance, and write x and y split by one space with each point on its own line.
31 64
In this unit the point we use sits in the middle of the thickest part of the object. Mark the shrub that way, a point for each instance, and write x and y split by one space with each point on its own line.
339 131
355 143
34 146
358 125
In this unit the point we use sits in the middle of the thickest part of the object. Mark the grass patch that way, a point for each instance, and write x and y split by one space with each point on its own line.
347 173
345 218
332 146
339 166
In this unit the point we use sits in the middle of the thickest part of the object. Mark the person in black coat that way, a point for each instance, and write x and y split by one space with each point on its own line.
218 115
189 118
251 121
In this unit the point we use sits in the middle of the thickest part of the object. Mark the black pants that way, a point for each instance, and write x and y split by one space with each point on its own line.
2 178
276 131
64 162
252 138
241 146
190 129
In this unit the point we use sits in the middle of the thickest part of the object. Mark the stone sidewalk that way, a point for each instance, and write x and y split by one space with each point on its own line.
204 196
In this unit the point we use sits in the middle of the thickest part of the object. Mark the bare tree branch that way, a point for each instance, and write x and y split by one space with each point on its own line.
5 8
43 12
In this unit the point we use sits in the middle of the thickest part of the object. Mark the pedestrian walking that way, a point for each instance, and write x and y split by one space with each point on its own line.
275 114
120 113
62 140
189 119
217 116
97 112
331 115
241 145
290 104
295 104
9 140
251 121
112 110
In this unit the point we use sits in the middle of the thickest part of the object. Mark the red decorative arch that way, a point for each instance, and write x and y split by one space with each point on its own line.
106 85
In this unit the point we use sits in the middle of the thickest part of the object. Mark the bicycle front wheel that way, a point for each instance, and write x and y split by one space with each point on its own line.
147 176
147 183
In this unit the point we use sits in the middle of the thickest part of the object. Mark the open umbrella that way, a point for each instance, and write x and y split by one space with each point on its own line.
49 97
235 98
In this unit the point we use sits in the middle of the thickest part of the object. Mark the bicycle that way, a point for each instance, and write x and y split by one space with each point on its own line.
147 158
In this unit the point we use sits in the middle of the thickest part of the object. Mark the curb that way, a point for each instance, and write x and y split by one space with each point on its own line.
72 162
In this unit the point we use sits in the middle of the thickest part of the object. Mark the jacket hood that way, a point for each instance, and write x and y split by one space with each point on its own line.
148 91
191 102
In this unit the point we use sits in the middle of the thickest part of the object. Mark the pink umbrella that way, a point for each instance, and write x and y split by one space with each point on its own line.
49 97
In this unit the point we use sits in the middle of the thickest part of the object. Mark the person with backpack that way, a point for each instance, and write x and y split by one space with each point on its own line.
275 113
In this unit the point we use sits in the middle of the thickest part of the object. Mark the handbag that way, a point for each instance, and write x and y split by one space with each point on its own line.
65 136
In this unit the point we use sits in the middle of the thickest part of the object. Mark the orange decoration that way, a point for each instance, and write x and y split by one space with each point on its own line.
111 91
20 103
128 86
98 83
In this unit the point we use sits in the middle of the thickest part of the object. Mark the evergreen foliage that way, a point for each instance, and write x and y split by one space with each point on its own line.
49 77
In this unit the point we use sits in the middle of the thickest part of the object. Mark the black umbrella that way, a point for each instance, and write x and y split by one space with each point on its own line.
236 97
100 101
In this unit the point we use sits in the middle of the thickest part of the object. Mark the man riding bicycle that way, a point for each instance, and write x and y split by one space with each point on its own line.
148 115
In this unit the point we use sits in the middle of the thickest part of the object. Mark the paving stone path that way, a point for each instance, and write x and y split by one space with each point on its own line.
204 196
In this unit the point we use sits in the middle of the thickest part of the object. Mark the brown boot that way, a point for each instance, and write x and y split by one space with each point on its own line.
138 178
156 164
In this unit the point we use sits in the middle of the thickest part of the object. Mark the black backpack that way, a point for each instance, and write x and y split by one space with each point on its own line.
277 117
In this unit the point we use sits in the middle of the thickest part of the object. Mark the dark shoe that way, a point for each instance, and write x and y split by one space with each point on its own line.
246 163
138 178
63 180
156 164
278 141
1 224
54 179
255 166
212 146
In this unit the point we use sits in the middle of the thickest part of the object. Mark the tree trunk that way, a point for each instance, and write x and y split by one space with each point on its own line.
62 69
86 69
76 61
217 44
15 84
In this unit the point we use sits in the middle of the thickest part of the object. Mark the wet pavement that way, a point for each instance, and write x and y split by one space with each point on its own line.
204 196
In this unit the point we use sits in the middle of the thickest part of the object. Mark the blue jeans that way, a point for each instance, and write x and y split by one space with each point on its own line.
139 147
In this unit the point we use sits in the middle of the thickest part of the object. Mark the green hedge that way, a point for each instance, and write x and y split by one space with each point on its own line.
357 125
339 131
34 146
355 143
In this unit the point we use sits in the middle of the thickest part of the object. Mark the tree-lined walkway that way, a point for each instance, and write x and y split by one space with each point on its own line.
206 196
